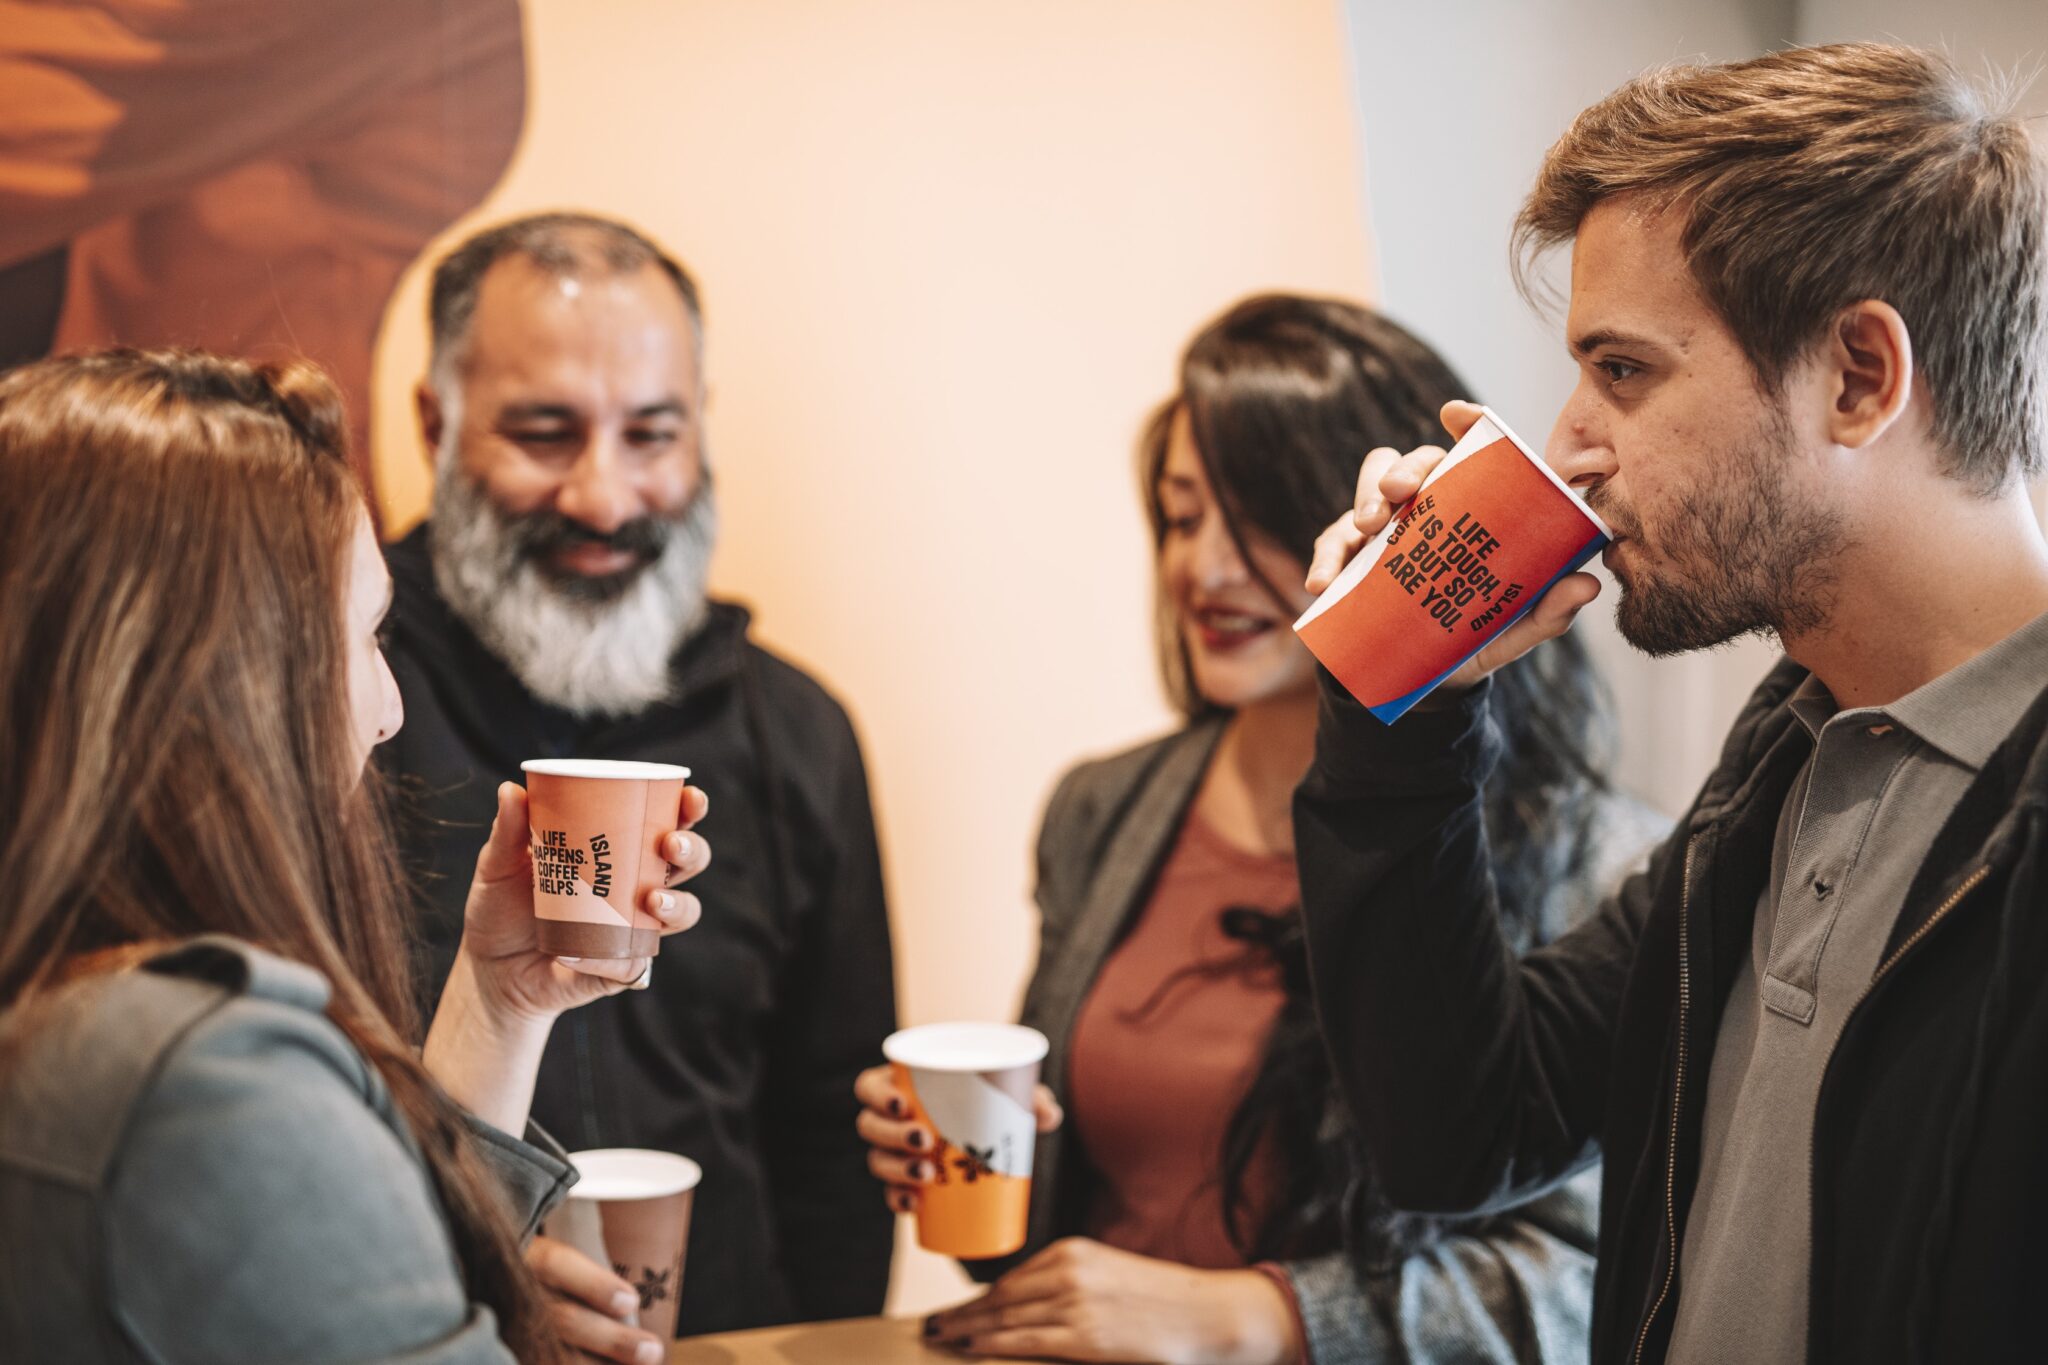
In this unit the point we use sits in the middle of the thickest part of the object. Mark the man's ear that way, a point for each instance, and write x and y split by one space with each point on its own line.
426 405
1869 360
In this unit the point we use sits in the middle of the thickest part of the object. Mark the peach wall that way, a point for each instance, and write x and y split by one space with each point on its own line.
949 253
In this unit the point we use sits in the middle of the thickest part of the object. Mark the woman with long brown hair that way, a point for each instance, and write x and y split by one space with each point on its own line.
1206 1198
215 1139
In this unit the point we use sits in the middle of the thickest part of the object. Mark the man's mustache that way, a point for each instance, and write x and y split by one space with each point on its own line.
1613 511
542 535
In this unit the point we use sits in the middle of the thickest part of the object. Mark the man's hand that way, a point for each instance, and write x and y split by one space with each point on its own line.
1386 482
1080 1300
595 1312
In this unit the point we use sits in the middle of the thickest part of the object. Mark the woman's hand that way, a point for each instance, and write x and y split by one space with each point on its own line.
595 1311
516 981
503 993
1386 481
1081 1300
901 1148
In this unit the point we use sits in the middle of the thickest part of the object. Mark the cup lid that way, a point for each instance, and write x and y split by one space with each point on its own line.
604 767
966 1047
632 1173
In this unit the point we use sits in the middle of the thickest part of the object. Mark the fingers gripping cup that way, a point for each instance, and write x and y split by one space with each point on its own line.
1490 531
631 1211
597 831
971 1084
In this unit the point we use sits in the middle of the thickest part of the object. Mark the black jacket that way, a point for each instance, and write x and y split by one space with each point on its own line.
1930 1184
743 1052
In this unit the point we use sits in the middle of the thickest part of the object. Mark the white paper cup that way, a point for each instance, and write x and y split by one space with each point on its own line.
971 1084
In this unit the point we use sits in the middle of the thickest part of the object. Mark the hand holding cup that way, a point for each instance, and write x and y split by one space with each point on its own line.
1387 481
595 1312
901 1146
501 935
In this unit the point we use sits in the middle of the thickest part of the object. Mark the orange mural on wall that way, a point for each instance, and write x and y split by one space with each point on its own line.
246 176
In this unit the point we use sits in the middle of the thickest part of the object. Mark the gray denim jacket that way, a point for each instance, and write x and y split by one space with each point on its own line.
196 1165
1515 1291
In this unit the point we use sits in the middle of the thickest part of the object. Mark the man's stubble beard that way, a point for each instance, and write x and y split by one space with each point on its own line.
589 656
1750 551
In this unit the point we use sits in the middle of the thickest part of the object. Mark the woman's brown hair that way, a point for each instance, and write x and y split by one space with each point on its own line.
175 751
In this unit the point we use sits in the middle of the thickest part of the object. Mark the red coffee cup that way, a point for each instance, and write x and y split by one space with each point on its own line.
1490 531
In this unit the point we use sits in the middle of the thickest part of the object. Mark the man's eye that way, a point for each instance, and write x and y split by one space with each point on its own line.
1183 526
1617 370
550 436
658 436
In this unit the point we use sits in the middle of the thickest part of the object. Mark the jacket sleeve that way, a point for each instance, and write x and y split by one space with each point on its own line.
1475 1077
1516 1290
264 1209
534 1174
837 1004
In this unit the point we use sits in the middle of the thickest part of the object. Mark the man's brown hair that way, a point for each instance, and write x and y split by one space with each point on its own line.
1816 177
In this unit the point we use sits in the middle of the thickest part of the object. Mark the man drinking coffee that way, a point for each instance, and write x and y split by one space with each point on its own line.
1809 311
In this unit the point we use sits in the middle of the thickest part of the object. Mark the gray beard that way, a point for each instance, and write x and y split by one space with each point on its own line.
587 657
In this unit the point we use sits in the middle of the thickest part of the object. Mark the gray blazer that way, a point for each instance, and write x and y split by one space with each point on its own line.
196 1165
1517 1289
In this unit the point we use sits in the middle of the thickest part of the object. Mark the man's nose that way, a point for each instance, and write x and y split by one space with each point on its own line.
1578 453
597 493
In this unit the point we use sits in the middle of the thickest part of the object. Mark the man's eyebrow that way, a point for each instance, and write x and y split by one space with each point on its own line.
1589 342
1627 340
667 407
532 412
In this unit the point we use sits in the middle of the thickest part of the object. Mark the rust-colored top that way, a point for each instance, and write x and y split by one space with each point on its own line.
1166 1046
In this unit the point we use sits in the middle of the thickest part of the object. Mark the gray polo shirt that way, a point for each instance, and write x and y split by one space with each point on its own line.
1858 823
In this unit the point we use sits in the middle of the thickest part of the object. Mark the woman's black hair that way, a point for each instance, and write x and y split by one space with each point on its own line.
1284 396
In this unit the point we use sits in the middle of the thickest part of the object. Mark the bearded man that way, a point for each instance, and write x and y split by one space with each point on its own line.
555 606
1809 306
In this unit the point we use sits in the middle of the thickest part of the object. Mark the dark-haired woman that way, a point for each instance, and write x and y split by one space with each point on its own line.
215 1141
1204 1200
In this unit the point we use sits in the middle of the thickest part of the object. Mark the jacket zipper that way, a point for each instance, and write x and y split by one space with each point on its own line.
1677 1092
1941 912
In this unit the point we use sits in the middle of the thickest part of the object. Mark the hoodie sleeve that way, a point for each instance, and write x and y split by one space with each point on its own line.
837 1004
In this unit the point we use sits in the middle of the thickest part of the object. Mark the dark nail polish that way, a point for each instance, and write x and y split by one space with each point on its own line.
917 1138
920 1170
896 1109
931 1327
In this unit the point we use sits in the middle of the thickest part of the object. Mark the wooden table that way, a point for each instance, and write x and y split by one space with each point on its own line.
855 1341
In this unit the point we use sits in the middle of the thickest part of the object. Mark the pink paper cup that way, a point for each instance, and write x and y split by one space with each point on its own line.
597 827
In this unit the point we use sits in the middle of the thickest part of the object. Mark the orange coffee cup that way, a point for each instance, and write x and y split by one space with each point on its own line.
597 830
971 1085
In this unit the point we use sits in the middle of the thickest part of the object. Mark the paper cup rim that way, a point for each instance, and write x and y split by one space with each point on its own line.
611 1173
1579 503
966 1046
613 768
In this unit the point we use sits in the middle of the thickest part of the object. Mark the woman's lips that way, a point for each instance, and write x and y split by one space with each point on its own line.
1224 631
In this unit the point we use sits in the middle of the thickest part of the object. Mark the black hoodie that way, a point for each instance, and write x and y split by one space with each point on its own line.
743 1052
1930 1135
